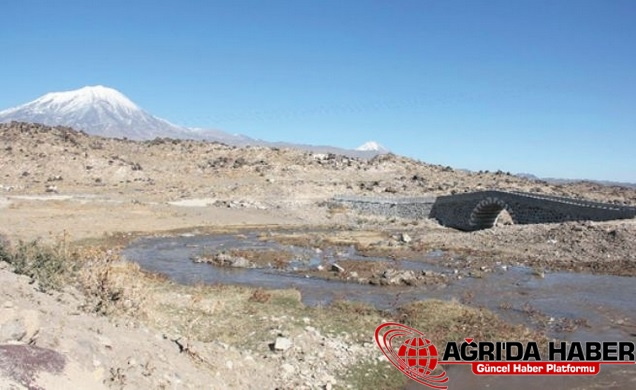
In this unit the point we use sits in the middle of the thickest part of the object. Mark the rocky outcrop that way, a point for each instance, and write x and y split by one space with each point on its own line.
18 325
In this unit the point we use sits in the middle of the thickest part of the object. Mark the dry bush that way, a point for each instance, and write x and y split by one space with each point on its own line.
51 266
259 295
111 285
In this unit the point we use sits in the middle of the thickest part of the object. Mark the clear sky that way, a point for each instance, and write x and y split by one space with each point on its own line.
545 87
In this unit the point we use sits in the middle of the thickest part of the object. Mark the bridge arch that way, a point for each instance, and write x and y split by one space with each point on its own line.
485 214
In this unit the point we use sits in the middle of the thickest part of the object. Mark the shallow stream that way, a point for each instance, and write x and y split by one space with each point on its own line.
604 306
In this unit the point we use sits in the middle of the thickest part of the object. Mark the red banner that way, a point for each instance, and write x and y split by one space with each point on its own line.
536 368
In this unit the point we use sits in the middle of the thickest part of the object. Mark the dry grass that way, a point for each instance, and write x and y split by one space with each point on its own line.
111 285
51 266
260 295
230 314
440 321
452 321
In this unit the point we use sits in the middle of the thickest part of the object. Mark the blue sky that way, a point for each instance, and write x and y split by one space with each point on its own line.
546 87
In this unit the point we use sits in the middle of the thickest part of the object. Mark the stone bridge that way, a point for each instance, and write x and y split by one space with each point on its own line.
480 210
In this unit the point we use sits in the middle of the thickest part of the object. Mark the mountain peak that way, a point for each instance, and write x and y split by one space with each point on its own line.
372 146
106 112
87 96
97 110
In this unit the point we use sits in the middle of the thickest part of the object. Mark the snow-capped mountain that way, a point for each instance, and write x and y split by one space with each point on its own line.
372 146
97 110
106 112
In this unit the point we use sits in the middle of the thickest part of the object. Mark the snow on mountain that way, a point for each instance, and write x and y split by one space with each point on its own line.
372 146
106 112
97 110
69 101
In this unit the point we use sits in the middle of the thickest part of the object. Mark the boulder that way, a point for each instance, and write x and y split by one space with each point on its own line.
282 344
398 277
336 268
18 325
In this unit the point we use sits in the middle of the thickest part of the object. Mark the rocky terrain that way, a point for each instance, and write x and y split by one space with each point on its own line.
38 160
108 324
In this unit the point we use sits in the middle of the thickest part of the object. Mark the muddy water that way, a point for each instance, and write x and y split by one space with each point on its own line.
172 257
607 304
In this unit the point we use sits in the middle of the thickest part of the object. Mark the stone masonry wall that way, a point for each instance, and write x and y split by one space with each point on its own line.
478 210
411 208
472 211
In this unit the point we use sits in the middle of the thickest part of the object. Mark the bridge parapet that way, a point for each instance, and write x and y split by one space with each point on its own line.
578 202
479 210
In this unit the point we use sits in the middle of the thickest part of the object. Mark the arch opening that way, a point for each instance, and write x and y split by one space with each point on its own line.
504 218
489 212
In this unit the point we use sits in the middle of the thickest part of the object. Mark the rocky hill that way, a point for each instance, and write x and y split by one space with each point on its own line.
37 159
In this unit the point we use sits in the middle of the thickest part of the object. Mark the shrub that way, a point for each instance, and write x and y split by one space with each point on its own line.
51 266
110 284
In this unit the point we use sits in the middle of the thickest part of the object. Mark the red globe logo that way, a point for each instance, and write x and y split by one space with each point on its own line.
419 355
416 356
